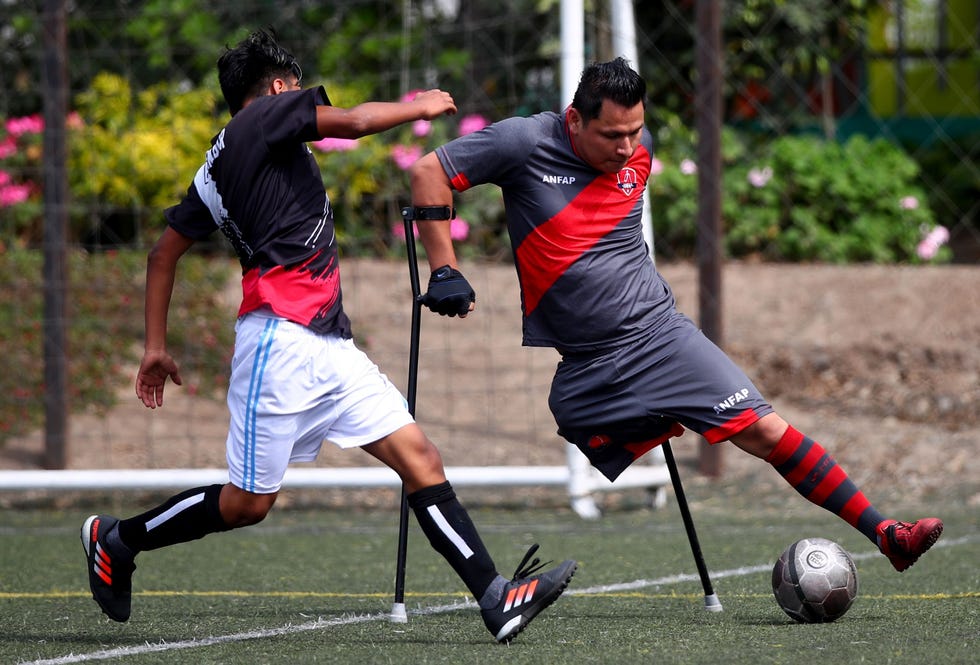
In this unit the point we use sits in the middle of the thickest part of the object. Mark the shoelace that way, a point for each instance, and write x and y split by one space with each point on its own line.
529 566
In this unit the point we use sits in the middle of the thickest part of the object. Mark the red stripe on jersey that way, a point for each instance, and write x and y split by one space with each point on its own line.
460 182
548 251
294 294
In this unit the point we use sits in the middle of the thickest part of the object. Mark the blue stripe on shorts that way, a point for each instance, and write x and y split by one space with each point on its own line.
254 391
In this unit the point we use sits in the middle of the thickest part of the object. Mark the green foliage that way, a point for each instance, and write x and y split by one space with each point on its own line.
138 149
105 296
951 175
797 198
130 154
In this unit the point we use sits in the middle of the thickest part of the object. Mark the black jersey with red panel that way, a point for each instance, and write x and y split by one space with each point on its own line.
261 187
587 280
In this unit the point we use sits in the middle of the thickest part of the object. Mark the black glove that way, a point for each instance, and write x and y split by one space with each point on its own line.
449 293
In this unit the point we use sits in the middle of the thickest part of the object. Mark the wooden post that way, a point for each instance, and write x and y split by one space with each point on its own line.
707 107
54 83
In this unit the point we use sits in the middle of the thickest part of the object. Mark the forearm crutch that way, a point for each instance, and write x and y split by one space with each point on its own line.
398 613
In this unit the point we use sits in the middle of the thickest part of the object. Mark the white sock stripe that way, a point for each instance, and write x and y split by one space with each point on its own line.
449 532
174 510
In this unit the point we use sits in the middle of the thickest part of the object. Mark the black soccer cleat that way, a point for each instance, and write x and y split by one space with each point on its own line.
526 595
109 576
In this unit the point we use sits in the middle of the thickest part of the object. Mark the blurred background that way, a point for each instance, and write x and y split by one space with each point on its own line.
849 134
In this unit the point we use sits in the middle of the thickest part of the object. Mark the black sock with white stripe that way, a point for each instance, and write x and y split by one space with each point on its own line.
183 517
452 534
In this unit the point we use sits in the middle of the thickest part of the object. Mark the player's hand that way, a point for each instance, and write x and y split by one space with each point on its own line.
449 293
155 368
434 103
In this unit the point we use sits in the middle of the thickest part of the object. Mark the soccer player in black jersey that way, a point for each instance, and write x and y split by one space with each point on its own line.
297 378
634 371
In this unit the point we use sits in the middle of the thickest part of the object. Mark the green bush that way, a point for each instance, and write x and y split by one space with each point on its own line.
105 337
797 198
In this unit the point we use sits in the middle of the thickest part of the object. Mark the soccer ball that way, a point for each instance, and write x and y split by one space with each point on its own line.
814 580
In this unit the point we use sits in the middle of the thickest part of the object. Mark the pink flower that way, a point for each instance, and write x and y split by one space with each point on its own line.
908 203
459 229
688 167
472 123
421 128
929 246
74 121
656 167
409 96
28 124
398 230
14 194
760 177
405 155
8 147
330 144
4 178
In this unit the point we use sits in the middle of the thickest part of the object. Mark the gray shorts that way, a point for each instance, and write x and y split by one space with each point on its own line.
617 405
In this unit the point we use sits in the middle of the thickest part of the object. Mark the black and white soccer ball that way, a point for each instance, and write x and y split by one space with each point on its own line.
814 580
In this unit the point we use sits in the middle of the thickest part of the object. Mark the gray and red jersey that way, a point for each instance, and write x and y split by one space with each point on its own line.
587 282
261 186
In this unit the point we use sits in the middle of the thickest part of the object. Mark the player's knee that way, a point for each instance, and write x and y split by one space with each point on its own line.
761 437
423 466
240 508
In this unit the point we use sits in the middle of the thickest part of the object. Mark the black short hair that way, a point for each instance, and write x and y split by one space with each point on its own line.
614 80
252 65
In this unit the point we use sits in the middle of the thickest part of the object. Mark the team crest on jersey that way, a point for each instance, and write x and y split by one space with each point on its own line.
627 181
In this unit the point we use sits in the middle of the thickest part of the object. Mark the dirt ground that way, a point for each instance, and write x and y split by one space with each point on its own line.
879 364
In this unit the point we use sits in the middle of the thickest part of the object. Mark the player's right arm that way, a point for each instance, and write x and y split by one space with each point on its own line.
448 293
157 364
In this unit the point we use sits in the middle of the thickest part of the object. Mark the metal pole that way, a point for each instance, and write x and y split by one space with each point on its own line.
624 43
398 613
54 83
707 103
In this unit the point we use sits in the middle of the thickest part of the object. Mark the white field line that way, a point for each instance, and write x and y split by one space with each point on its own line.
320 624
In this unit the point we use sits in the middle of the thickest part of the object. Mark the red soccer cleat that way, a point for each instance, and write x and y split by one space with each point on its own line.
904 542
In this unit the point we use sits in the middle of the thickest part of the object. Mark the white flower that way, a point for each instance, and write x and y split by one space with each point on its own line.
908 203
760 177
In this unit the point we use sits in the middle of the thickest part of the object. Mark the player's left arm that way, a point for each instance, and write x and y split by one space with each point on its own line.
374 117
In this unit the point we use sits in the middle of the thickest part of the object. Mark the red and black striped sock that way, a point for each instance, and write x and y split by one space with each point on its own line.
816 475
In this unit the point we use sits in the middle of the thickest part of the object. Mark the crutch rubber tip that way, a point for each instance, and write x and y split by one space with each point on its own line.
398 613
712 604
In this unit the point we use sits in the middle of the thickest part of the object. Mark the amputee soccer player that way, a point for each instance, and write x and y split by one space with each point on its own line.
634 371
297 378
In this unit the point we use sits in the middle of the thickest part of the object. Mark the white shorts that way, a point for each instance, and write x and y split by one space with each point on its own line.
290 390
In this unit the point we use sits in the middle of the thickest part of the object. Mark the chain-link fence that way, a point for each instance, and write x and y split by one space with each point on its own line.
851 133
